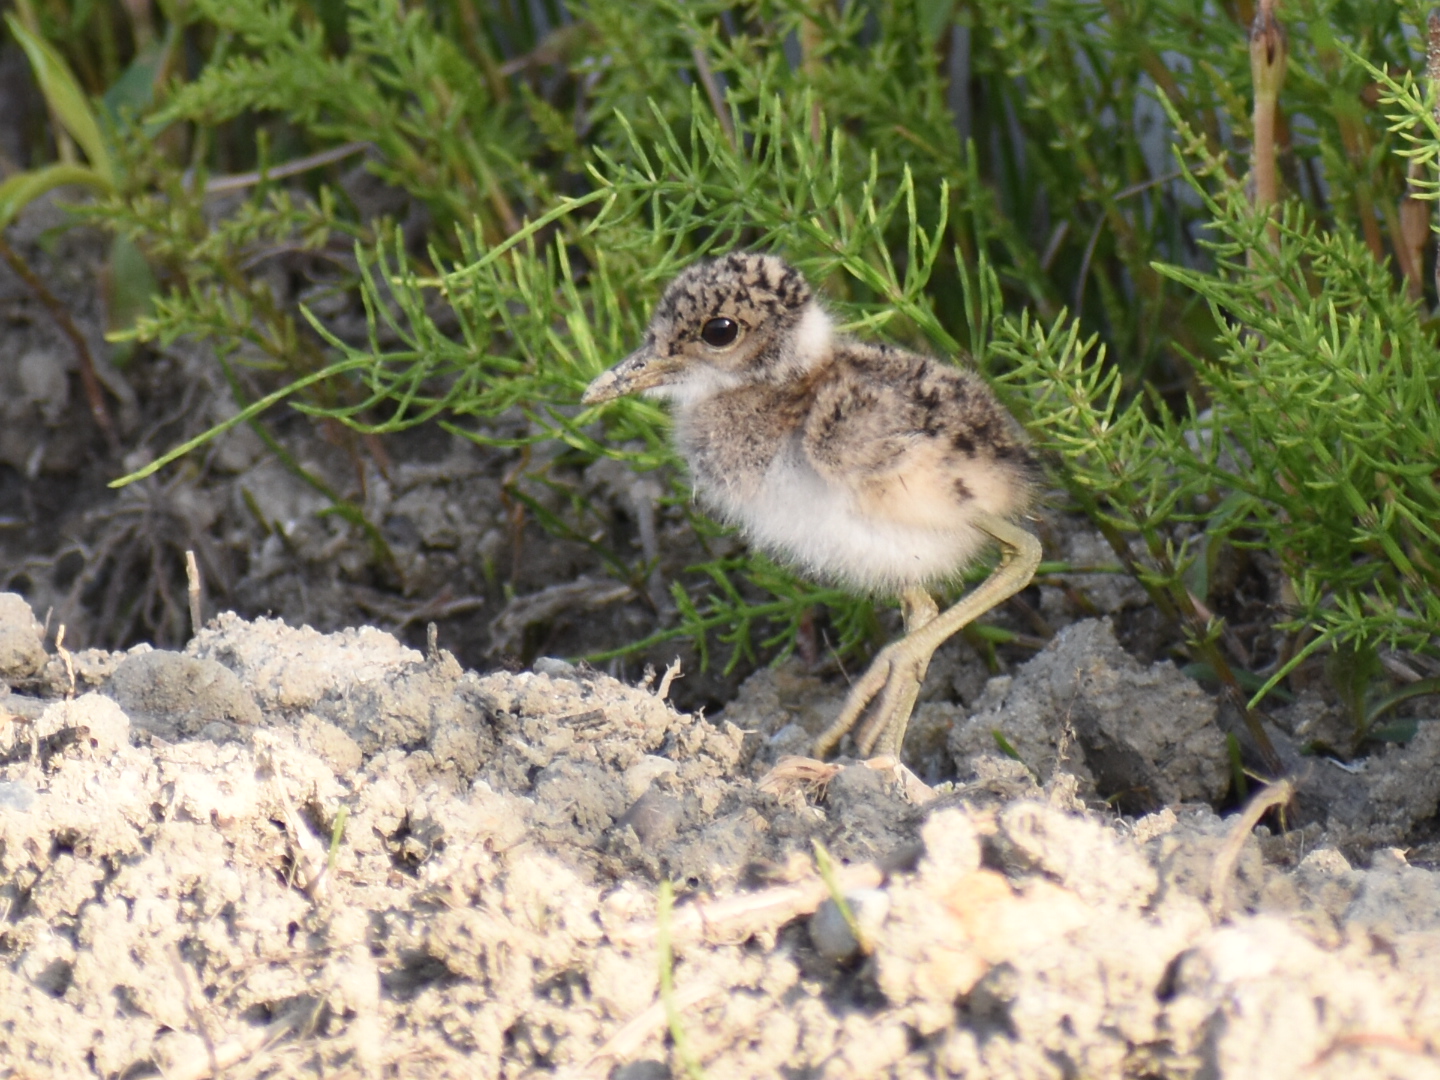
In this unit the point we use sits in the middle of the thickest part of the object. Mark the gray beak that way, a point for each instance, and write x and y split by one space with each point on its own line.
641 370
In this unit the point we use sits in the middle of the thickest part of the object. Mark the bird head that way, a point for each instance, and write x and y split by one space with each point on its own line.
739 319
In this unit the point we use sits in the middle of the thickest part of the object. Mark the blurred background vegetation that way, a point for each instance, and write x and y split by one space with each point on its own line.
1189 240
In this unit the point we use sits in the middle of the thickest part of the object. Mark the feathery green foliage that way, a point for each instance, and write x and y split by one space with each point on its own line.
982 174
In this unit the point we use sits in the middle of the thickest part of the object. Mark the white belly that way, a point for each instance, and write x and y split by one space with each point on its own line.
799 517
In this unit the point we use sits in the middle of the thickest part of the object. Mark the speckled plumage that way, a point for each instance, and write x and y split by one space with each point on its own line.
863 464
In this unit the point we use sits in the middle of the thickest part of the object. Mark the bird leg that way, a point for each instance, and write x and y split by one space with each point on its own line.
888 690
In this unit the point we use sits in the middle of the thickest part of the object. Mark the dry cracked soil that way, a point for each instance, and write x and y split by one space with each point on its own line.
286 853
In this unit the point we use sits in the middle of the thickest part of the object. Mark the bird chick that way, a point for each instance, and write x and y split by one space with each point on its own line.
866 465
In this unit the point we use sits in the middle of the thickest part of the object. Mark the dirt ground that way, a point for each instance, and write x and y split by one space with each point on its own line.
271 850
281 852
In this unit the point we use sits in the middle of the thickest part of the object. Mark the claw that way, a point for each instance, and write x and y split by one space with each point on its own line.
884 698
883 731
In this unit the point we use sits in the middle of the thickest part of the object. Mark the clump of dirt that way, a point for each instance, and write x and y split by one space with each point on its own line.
1147 736
290 853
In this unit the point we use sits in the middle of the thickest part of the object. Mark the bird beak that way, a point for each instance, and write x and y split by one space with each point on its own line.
641 370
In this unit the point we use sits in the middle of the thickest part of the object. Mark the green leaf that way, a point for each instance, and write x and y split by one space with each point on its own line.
1353 668
134 90
24 188
130 291
1399 731
1004 745
63 94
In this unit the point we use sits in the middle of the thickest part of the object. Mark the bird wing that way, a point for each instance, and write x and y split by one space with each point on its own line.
914 440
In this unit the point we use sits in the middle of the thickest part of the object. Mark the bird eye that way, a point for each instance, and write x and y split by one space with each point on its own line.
719 332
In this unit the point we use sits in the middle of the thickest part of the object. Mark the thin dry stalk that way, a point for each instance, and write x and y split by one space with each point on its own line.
142 22
796 780
748 914
1432 76
1414 232
712 91
628 1040
1223 869
94 393
219 185
1367 1040
67 659
1267 70
192 578
811 38
672 672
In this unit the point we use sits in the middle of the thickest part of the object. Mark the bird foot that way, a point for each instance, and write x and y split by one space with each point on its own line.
880 704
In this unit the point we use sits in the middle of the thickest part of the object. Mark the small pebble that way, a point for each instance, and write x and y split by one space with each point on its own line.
831 934
655 817
556 668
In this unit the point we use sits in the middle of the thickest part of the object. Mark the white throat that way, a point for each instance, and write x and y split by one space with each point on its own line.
699 382
813 339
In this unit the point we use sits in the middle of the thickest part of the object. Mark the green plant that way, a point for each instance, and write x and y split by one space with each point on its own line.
71 108
1202 398
1317 444
77 121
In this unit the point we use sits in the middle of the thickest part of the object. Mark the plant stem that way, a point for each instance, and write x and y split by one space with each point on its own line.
1432 77
94 393
1267 70
812 37
667 982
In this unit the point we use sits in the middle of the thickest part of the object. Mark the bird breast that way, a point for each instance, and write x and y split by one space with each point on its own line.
869 538
845 534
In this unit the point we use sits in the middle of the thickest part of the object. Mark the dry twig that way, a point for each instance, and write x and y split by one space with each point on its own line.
1223 869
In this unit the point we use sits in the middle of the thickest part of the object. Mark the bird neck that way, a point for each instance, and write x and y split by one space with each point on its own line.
811 344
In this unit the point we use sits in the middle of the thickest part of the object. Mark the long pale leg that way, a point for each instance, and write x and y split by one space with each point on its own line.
889 688
919 610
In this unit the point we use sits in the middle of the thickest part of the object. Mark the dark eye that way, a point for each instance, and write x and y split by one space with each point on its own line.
719 332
